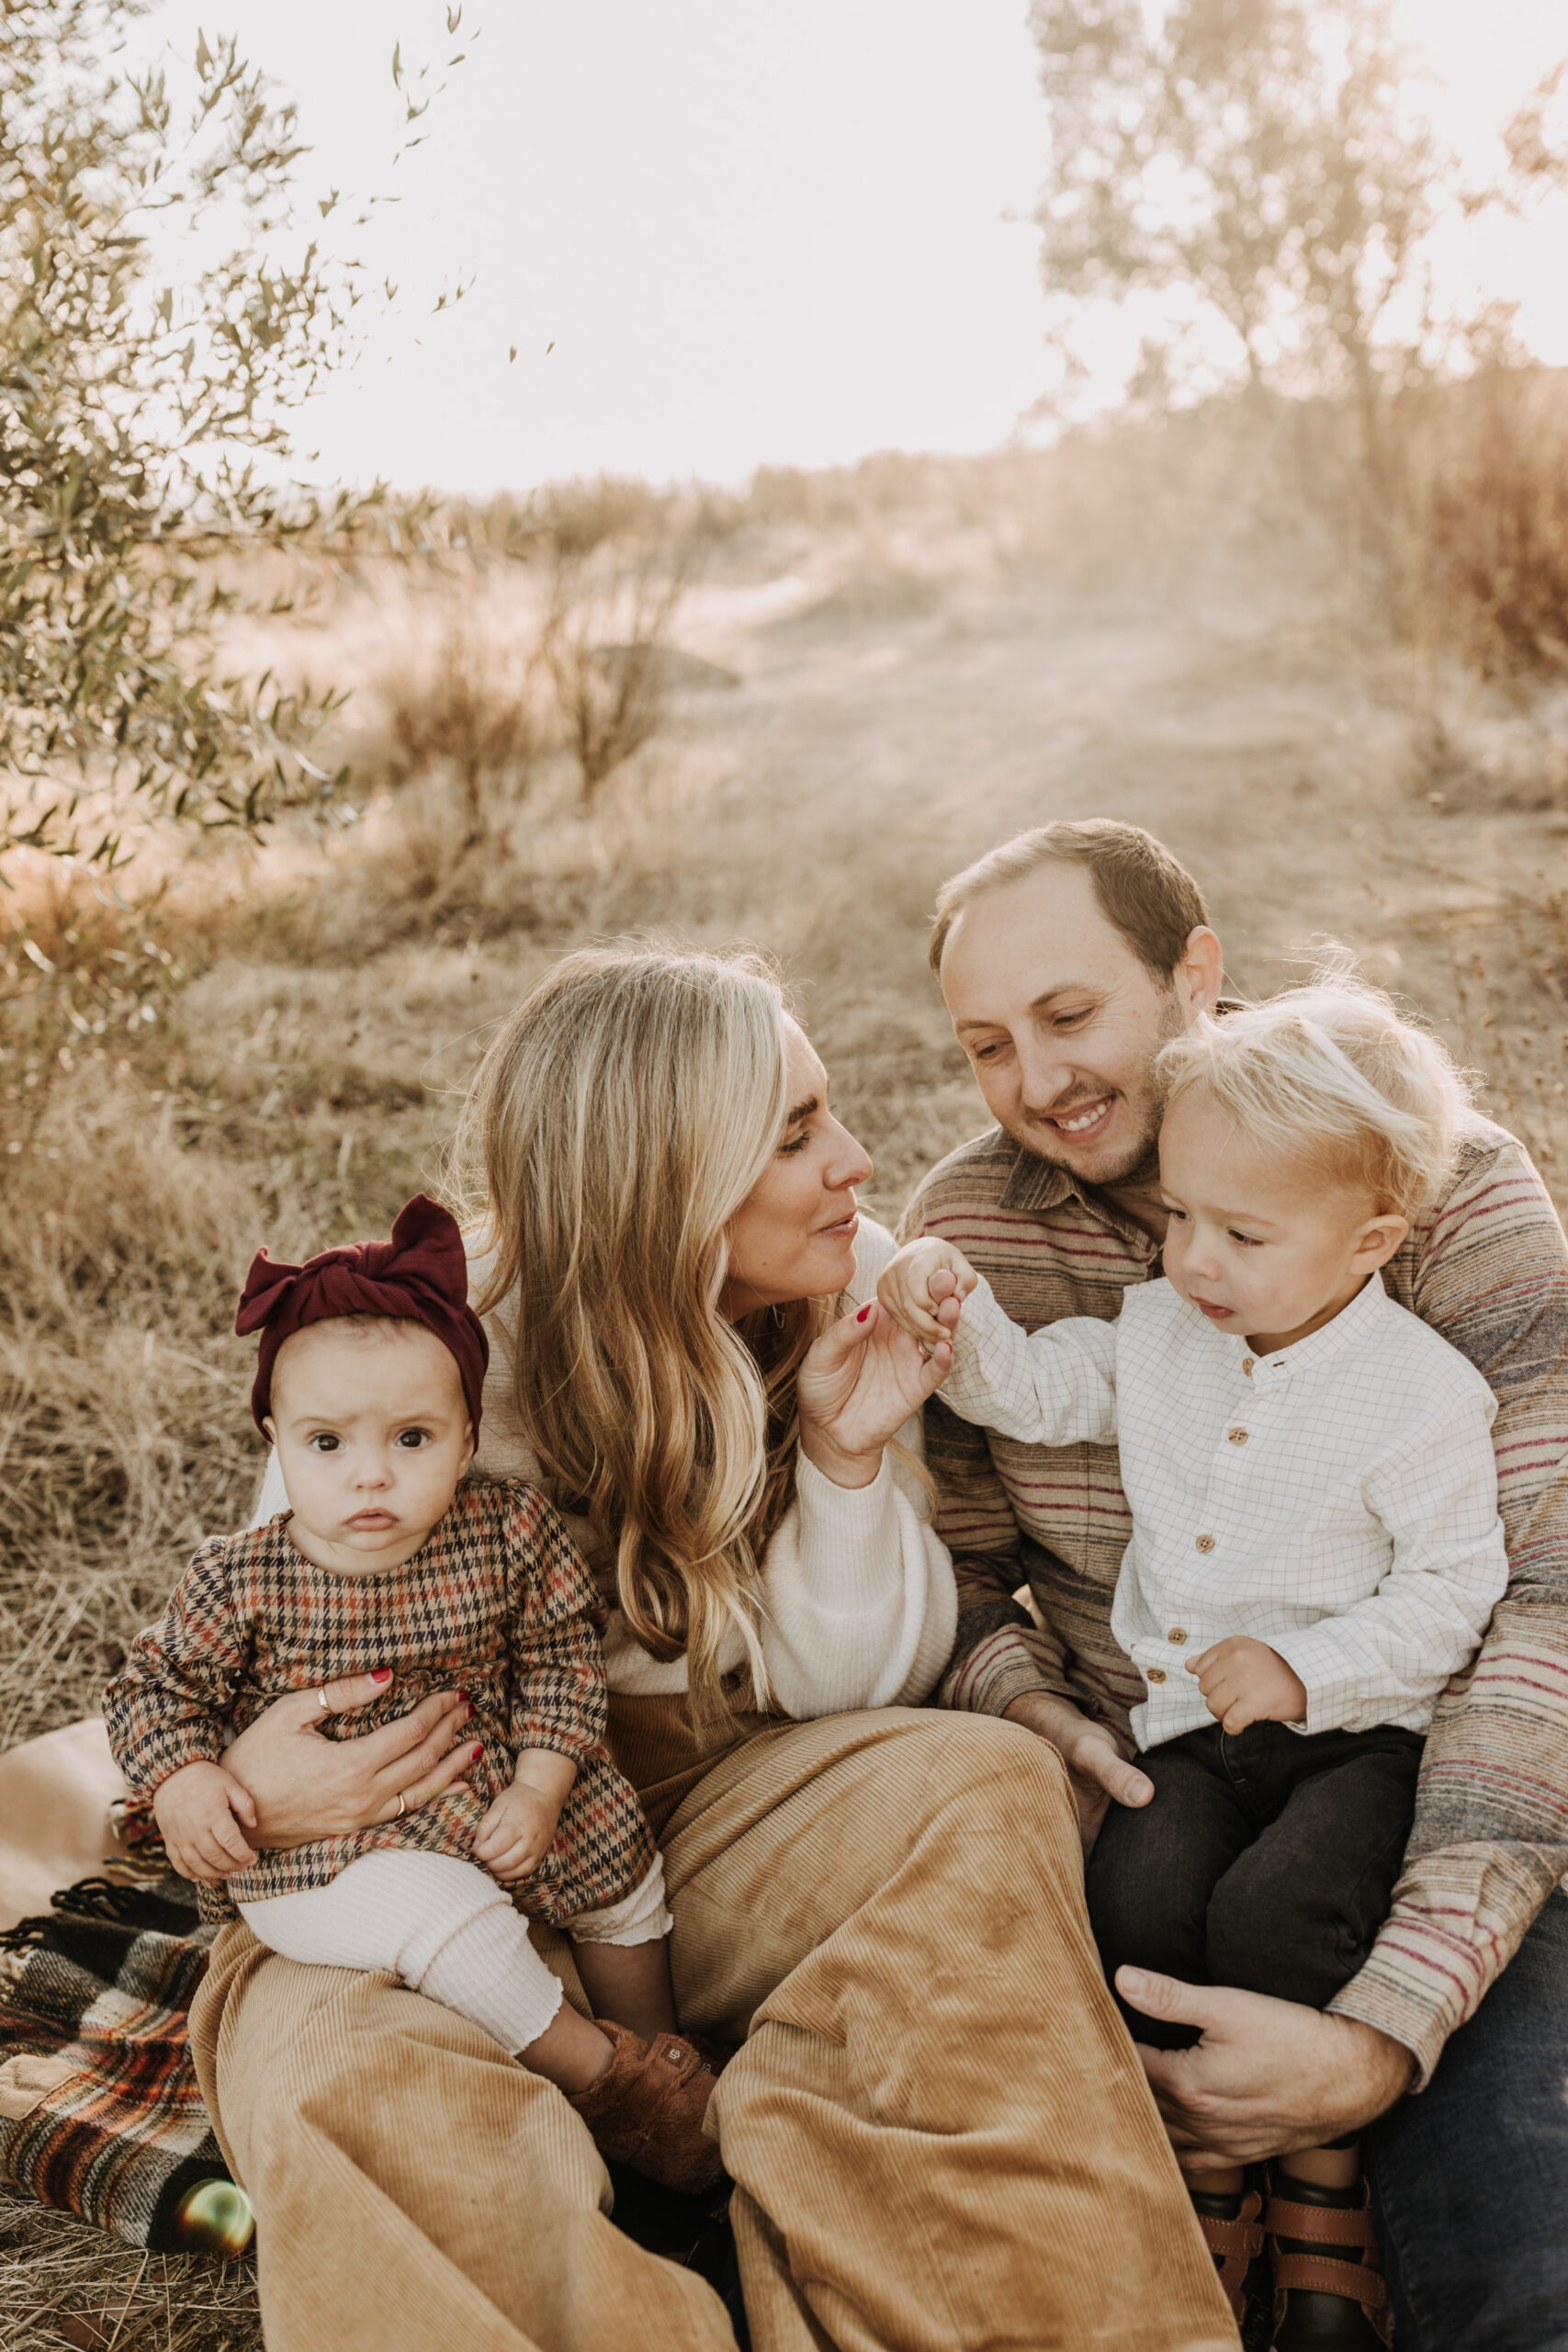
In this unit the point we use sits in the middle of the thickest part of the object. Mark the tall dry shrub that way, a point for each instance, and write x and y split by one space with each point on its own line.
610 612
469 714
1483 516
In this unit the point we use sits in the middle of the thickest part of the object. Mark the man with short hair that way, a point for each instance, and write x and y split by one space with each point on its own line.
1066 958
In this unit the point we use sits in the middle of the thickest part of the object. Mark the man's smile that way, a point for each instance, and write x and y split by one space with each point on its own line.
1079 1122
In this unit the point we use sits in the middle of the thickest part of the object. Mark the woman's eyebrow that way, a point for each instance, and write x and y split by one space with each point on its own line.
802 1111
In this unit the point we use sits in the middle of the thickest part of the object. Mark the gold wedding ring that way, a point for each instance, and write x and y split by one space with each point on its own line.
402 1805
323 1697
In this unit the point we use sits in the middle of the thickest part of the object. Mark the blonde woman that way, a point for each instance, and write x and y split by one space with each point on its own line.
883 1905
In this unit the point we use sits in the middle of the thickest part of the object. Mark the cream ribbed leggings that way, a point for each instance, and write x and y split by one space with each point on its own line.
447 1930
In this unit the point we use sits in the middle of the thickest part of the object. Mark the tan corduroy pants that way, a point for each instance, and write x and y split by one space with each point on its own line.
938 2132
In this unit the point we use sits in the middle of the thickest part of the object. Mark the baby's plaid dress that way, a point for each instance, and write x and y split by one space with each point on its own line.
497 1602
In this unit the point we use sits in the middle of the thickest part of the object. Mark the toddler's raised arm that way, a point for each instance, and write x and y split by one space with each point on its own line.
1055 1386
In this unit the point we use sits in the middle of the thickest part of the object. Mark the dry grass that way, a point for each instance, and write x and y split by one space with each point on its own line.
928 657
61 2284
1483 500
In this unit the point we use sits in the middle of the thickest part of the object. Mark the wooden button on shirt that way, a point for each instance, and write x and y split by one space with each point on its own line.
1203 1543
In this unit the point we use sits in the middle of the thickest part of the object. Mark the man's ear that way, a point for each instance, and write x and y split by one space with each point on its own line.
1198 977
1379 1239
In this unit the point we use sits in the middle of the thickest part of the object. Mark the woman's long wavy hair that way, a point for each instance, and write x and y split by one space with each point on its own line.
620 1118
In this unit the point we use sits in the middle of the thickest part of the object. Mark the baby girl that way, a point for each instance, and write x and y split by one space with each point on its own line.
369 1384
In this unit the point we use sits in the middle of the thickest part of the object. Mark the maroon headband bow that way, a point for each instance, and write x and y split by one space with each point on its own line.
420 1275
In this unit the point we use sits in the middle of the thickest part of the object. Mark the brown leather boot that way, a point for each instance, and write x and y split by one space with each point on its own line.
1234 2235
647 2109
1329 2294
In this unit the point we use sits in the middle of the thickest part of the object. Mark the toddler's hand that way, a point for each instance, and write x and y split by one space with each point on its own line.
517 1832
1244 1681
924 1287
196 1809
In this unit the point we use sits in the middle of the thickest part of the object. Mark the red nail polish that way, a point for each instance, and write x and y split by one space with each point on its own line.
474 1758
463 1696
381 1674
861 1316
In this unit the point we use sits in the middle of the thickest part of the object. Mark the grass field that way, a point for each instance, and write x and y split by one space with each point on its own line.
916 673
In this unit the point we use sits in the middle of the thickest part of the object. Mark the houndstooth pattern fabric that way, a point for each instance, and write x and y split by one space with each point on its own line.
497 1602
1338 1501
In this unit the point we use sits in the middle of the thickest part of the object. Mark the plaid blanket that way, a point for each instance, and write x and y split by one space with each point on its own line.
100 2113
99 2109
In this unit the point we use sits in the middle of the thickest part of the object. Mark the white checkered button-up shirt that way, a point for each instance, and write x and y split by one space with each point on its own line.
1338 1501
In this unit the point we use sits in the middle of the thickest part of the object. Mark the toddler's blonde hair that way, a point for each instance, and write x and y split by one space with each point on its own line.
1334 1075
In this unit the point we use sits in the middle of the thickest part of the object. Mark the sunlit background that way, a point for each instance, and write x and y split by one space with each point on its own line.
722 234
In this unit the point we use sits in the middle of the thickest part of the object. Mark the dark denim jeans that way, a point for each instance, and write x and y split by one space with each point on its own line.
1469 2180
1267 1859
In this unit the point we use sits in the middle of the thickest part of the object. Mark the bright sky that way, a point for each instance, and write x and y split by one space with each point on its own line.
723 232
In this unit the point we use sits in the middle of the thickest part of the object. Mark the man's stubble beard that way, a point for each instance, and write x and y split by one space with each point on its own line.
1139 1168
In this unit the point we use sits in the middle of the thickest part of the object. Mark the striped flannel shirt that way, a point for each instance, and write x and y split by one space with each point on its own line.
1338 1501
497 1602
1487 1268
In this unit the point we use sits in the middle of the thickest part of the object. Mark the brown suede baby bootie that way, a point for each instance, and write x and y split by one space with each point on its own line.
647 2109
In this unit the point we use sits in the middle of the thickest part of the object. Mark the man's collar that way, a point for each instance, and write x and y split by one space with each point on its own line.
1037 1185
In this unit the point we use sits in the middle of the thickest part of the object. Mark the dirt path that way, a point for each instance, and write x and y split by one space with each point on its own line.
867 755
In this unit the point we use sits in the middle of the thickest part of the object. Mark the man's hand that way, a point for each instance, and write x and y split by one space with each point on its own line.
915 1285
1244 1681
519 1829
1266 2076
1096 1769
197 1809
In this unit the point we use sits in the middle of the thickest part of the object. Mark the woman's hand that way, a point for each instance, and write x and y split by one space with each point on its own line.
305 1787
859 1385
1268 2076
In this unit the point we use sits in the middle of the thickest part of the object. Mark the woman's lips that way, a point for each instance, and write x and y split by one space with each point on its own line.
846 1227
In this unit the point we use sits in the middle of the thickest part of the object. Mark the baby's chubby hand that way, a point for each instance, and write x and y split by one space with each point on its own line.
519 1829
1244 1681
197 1809
924 1287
